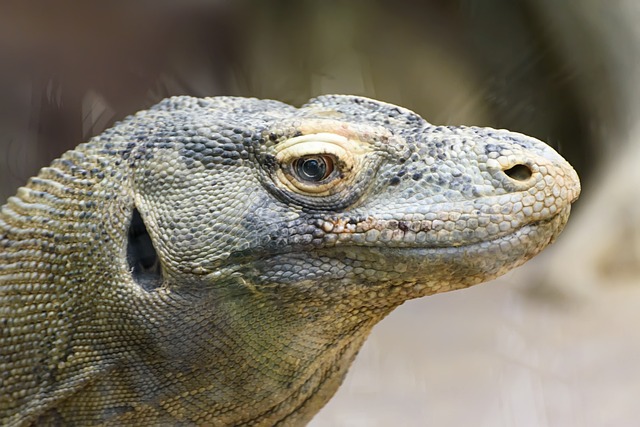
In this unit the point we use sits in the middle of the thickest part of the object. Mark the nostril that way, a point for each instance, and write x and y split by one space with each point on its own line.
519 172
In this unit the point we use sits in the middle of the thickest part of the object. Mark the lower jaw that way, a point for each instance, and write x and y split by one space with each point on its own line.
438 269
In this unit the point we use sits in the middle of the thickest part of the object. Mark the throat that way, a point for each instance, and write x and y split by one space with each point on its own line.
232 361
314 385
319 387
297 365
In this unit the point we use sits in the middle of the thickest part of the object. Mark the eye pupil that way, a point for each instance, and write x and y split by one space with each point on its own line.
313 169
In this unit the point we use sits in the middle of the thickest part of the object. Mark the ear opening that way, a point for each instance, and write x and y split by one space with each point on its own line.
142 257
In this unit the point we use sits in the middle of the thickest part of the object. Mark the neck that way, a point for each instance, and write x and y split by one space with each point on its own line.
241 359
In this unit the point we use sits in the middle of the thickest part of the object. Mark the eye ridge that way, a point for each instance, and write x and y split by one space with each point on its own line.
314 168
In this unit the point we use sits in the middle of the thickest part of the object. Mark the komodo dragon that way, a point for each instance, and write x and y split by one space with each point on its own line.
220 261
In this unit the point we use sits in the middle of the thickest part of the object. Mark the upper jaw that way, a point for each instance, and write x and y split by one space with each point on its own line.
450 219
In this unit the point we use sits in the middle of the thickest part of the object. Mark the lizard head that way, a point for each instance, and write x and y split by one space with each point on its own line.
263 244
345 197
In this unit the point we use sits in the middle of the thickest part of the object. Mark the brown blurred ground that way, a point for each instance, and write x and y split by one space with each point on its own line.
491 356
553 343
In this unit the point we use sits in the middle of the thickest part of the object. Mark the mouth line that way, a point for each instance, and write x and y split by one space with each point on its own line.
399 245
414 249
514 233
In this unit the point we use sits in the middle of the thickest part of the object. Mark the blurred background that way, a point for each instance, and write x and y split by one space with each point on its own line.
554 343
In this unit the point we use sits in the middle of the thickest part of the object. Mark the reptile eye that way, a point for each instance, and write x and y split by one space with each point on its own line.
317 165
313 168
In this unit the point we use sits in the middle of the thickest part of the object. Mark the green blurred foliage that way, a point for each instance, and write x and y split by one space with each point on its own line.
70 69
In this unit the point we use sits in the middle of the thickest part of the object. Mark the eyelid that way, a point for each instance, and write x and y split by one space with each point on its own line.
322 136
312 148
354 147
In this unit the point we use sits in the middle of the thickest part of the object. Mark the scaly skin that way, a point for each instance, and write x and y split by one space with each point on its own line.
261 274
